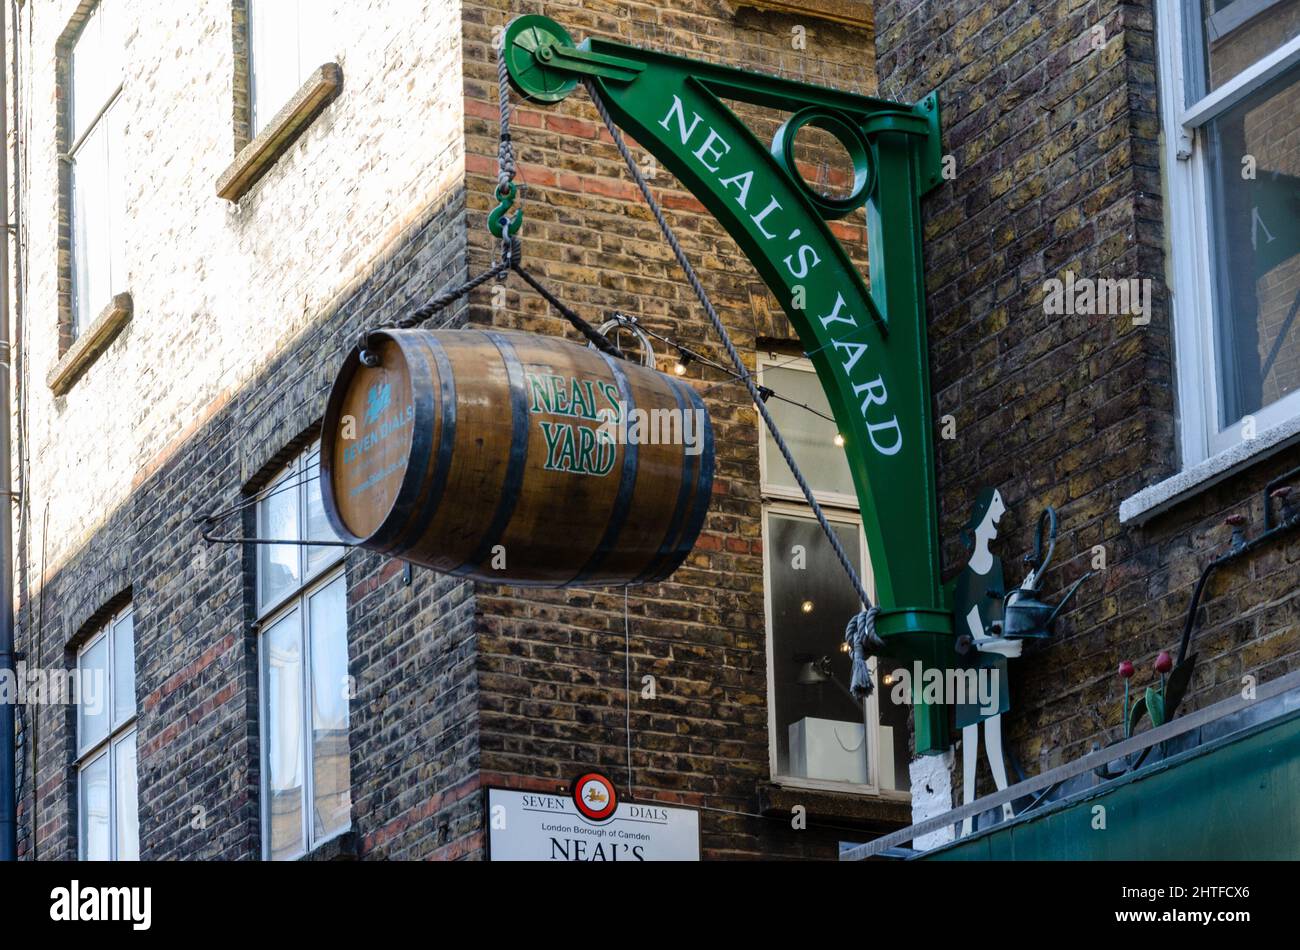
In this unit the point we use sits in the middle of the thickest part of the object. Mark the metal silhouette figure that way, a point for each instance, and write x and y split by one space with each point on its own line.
978 593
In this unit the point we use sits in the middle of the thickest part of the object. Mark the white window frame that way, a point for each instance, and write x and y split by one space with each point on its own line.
791 492
839 508
84 309
297 599
88 753
1188 216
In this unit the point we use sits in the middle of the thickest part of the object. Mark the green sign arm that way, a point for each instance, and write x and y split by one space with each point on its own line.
867 346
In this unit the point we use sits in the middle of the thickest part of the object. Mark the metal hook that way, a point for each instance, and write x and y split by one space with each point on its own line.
497 219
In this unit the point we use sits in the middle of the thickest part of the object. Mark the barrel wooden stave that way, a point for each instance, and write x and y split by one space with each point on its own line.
499 420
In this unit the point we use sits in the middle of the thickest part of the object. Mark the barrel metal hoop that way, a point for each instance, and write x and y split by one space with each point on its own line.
703 492
669 543
446 442
514 479
626 485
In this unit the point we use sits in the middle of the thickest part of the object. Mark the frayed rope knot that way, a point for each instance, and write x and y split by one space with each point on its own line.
861 637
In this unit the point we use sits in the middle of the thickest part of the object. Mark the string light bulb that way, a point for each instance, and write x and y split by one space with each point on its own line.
838 440
806 606
683 358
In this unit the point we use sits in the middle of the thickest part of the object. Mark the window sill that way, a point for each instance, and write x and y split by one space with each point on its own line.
257 157
87 347
872 812
1164 495
848 12
342 847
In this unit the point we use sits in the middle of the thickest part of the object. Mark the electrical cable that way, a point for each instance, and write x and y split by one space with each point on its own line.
736 377
703 297
627 687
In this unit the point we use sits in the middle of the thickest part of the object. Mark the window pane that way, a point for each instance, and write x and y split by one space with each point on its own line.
92 807
820 728
811 438
285 754
318 527
331 781
315 37
114 42
124 670
93 705
1231 35
1256 238
124 798
273 28
89 91
90 226
278 518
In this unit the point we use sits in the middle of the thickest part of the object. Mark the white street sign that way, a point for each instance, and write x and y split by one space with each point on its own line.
536 826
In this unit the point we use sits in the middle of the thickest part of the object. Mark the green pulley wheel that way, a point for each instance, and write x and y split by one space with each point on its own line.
523 38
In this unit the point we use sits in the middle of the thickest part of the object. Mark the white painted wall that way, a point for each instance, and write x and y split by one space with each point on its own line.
218 288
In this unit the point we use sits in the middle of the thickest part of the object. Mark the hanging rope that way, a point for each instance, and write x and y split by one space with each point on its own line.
509 250
862 629
505 145
581 325
509 259
506 172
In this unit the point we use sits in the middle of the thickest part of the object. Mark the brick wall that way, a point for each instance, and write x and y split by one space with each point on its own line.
243 312
412 736
242 315
1050 110
552 664
220 288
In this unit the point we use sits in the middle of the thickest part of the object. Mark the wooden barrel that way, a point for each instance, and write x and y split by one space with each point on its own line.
515 458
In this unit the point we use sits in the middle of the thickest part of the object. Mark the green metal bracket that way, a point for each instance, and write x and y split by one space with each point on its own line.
591 64
868 346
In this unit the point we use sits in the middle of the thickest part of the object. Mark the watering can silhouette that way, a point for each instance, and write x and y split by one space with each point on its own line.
1024 615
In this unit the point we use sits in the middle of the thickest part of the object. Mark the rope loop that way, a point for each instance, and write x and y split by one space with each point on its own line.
861 636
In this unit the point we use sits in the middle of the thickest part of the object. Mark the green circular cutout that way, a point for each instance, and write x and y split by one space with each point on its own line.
854 142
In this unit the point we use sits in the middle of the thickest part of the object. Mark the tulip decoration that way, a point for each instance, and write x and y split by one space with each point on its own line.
1158 704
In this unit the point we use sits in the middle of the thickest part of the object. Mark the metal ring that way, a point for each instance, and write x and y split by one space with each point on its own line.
624 322
848 135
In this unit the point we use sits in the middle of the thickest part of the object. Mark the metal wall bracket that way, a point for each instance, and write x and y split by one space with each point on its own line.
868 344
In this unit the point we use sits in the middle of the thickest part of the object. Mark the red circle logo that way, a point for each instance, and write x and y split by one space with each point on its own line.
594 796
